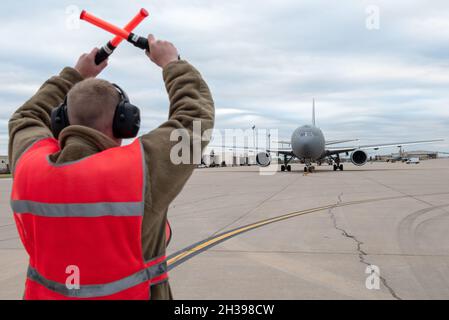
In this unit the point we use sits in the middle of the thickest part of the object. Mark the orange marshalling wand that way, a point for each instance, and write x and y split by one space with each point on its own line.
125 33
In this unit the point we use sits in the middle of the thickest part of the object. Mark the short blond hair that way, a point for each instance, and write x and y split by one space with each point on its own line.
92 103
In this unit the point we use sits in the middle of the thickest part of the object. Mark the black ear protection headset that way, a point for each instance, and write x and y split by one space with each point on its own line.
126 122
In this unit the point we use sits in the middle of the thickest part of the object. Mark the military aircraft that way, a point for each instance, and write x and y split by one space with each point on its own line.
309 145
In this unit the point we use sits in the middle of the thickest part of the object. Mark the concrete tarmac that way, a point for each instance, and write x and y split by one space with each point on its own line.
394 217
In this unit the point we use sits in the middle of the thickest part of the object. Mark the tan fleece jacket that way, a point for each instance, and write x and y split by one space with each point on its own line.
190 100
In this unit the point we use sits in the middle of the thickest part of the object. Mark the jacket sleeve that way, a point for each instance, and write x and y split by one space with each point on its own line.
31 121
190 100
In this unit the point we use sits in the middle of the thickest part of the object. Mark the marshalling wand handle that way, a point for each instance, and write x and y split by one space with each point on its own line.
109 47
139 42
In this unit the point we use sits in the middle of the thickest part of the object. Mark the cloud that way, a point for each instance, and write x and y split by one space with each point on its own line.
263 60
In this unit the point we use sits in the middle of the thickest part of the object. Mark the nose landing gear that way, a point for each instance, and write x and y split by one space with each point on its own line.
310 169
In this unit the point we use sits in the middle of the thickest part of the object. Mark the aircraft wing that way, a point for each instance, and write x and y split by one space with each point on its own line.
332 151
281 151
283 142
330 142
250 149
399 144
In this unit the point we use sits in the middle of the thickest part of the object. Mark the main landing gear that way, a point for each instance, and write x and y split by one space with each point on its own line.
338 167
337 164
286 165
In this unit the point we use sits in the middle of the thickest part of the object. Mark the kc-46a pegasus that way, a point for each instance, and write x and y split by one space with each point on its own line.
309 145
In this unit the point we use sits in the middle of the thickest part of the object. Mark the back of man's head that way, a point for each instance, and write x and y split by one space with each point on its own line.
92 103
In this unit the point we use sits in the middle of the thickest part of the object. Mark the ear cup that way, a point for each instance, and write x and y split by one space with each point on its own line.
126 122
59 119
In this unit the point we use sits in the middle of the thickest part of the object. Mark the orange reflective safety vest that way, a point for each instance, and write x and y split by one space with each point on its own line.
81 222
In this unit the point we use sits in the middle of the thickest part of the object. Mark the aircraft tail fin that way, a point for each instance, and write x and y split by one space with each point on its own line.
313 113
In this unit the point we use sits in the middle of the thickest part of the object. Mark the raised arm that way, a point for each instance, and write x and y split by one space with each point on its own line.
190 100
31 121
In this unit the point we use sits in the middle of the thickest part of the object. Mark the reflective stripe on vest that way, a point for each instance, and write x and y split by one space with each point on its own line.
86 214
118 209
101 290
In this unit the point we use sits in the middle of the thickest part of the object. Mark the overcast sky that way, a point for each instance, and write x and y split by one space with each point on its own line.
264 61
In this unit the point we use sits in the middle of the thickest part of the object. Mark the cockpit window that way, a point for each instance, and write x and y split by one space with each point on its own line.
306 134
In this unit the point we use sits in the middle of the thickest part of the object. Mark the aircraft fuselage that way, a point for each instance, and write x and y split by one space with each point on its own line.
308 143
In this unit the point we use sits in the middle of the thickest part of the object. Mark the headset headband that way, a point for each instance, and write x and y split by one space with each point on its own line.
126 121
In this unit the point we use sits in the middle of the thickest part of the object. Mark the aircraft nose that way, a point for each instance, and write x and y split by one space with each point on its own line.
304 148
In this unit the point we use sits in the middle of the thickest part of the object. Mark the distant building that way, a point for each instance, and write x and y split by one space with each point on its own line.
422 155
216 159
4 164
382 157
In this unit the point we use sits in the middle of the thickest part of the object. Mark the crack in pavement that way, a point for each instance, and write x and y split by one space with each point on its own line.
361 254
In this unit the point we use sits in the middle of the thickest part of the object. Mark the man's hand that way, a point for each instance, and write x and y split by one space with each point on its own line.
86 65
161 52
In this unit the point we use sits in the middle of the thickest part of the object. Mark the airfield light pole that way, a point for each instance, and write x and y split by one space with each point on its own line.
254 135
257 139
234 152
254 140
269 141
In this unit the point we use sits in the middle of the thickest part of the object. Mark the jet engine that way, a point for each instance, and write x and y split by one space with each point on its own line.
359 157
263 159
